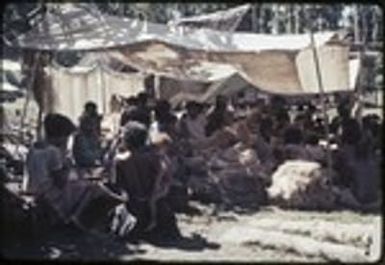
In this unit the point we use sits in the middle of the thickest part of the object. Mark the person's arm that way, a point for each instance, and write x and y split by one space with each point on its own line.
58 170
160 170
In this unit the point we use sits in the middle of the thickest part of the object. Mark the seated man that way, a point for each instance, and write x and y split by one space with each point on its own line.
137 110
49 174
136 173
219 117
193 122
165 121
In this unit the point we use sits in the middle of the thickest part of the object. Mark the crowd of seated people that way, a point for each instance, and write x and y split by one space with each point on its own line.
155 151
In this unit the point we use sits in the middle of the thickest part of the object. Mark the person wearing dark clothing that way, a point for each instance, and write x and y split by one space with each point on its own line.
137 110
266 128
87 151
90 113
49 179
136 173
293 139
293 135
165 121
345 127
130 106
219 117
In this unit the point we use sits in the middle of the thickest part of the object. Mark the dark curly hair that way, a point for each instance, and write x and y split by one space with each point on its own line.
135 135
57 125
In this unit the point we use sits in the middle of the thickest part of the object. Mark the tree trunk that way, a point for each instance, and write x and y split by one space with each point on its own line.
296 18
373 24
261 19
290 18
254 18
276 19
356 24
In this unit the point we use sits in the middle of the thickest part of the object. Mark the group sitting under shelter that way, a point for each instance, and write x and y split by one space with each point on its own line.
160 159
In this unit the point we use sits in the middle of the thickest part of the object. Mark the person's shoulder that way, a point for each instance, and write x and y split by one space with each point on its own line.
42 149
123 158
148 154
183 117
53 149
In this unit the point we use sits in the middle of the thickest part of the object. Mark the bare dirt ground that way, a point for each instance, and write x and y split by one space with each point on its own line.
209 237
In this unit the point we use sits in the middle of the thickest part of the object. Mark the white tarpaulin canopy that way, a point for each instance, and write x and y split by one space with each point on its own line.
93 79
275 64
226 20
79 27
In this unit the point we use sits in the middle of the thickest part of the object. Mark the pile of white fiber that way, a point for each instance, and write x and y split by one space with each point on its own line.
301 185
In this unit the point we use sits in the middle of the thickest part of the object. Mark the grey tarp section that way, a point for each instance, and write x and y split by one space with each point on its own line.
280 64
225 20
93 79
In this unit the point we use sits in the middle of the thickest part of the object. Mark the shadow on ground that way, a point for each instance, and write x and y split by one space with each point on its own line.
194 243
65 243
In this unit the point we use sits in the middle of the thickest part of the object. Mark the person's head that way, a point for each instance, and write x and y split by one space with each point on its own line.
58 128
135 135
278 102
311 109
371 123
343 108
132 101
221 102
142 99
91 108
193 109
301 108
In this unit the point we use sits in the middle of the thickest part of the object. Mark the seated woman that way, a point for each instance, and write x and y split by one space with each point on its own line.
49 174
136 173
87 151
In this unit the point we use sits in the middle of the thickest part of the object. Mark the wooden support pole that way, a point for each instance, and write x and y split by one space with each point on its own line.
356 24
31 82
253 18
157 86
323 100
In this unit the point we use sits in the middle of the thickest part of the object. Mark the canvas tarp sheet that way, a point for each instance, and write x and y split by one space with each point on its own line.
178 91
225 20
276 72
276 64
73 87
81 27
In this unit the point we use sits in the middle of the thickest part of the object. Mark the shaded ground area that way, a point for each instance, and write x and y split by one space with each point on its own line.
205 239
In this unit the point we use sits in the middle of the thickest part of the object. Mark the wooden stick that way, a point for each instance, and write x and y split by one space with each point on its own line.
323 99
